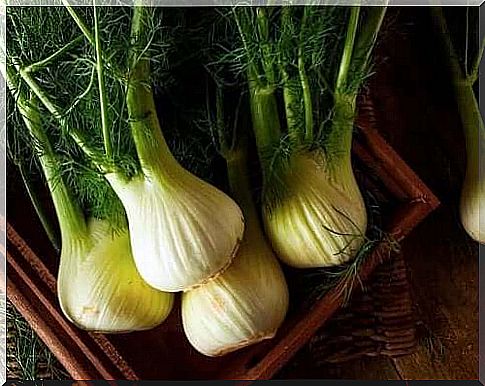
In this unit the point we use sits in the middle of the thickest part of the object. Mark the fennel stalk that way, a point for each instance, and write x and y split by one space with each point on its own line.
313 211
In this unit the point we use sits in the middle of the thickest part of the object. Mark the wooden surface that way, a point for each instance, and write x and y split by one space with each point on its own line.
421 122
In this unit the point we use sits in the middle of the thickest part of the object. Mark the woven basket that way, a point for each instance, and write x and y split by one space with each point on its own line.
377 321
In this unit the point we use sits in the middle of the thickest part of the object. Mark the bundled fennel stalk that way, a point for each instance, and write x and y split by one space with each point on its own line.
306 64
472 203
99 288
249 301
183 231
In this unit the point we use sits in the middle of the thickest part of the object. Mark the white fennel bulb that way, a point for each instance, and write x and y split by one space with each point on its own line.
99 287
249 301
243 306
313 212
183 230
472 200
472 207
321 218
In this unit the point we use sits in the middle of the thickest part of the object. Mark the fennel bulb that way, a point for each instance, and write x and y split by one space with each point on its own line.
322 219
99 288
243 306
248 302
472 200
313 212
472 206
183 231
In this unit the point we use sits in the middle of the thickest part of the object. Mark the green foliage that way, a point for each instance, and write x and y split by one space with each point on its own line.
297 53
62 63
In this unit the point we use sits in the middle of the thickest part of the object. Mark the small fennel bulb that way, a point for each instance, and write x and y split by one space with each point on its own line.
322 219
248 302
472 207
472 201
243 306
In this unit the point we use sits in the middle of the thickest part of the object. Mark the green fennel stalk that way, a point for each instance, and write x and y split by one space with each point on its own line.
317 59
70 216
144 124
38 205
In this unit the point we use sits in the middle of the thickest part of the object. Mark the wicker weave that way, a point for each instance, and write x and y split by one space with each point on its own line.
377 321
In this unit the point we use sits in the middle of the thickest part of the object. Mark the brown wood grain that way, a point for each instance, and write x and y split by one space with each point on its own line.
445 288
421 121
369 368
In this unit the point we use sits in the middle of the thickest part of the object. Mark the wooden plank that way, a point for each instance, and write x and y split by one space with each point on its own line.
369 368
445 287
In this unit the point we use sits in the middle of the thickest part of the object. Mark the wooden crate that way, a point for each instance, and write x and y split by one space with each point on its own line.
164 352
